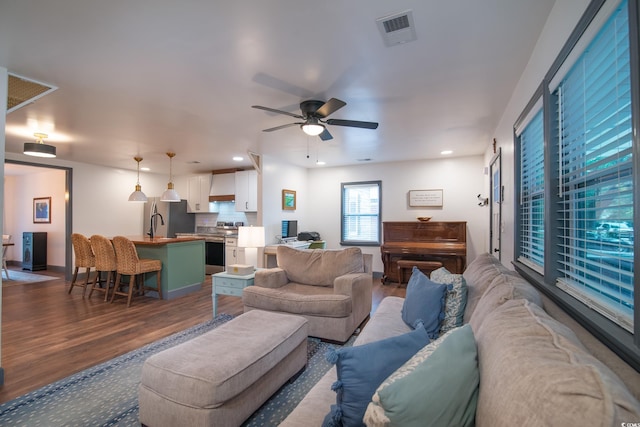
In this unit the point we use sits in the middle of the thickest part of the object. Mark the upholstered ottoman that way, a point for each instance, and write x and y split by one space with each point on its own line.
221 377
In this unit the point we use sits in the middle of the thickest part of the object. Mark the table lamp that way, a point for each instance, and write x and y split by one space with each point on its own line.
251 238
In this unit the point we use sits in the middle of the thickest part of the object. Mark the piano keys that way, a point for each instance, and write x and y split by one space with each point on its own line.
443 241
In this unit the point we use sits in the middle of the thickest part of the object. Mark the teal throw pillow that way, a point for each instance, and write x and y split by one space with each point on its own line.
443 388
455 300
424 302
362 368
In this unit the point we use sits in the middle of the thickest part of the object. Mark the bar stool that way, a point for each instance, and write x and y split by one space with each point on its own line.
84 259
105 263
129 264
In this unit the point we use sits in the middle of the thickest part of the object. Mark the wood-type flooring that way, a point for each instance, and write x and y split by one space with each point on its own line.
48 334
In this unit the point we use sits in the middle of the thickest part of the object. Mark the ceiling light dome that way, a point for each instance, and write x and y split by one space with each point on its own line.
312 127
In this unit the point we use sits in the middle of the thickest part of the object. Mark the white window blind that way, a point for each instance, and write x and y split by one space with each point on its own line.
532 193
595 174
361 213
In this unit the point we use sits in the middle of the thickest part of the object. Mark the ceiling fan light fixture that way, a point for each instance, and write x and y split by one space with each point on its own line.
39 148
170 194
312 127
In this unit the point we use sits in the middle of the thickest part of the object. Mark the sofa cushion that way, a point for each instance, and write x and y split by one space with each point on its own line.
535 371
298 299
503 288
362 368
439 384
455 300
424 303
319 267
479 274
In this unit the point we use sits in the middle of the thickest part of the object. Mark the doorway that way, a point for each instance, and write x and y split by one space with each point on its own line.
496 197
26 168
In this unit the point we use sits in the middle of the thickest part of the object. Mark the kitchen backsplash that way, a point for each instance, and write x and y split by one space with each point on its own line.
228 214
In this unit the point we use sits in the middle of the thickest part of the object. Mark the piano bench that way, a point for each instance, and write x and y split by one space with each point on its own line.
425 266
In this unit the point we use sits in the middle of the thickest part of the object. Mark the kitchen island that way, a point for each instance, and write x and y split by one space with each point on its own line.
182 263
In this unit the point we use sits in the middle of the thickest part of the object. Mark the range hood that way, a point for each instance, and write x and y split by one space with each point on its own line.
223 187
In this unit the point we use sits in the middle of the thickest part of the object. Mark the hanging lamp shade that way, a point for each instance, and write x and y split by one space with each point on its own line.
138 195
170 194
39 148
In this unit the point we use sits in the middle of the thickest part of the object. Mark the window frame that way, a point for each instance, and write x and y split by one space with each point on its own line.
621 341
347 242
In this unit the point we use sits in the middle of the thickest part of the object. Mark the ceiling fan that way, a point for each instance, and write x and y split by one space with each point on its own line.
313 113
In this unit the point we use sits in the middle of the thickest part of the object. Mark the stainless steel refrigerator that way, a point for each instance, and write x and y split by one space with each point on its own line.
169 218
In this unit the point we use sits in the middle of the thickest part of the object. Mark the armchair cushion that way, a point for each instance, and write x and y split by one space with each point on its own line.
299 299
319 267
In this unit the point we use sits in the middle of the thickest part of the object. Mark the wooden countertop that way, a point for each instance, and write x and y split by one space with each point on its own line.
159 241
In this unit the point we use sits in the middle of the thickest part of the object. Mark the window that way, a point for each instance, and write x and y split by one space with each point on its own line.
361 213
595 194
531 208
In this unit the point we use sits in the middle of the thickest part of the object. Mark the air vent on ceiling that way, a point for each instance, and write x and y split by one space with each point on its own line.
397 28
23 91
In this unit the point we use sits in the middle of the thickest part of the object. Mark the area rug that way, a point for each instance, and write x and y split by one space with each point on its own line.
17 277
107 394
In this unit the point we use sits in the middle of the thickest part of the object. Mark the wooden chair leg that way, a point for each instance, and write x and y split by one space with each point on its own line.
107 285
73 279
132 283
159 285
116 286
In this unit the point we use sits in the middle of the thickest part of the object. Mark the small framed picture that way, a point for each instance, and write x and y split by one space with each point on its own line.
288 200
42 210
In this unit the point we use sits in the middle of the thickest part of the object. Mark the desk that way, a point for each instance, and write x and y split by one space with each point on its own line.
224 283
270 252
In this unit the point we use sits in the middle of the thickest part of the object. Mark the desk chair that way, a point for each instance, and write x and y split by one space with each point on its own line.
6 238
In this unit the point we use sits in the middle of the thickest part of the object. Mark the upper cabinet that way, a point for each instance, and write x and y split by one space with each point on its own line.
198 197
246 191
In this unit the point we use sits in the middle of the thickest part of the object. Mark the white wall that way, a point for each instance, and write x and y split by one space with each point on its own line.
561 22
461 179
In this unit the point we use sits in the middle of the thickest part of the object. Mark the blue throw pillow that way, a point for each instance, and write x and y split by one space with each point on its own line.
424 302
362 368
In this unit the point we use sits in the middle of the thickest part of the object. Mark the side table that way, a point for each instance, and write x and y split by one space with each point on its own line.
228 284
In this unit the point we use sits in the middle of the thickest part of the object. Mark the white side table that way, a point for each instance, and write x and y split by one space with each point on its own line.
228 284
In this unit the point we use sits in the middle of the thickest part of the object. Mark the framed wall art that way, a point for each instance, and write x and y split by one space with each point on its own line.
42 210
429 198
288 200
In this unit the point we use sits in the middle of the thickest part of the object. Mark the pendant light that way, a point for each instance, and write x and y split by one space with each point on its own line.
170 195
138 195
39 148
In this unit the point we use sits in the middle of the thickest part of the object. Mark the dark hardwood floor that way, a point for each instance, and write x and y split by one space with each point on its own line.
48 334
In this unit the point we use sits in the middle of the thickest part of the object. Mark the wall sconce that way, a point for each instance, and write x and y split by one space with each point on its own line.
483 201
138 195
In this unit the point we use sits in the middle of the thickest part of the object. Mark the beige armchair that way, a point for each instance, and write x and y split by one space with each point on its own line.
330 288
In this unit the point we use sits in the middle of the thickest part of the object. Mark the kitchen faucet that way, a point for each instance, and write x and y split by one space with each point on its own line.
154 221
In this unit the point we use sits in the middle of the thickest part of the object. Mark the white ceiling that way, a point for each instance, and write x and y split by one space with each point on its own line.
147 77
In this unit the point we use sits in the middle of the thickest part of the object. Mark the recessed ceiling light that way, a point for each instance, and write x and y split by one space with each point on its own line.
320 163
238 159
145 169
445 152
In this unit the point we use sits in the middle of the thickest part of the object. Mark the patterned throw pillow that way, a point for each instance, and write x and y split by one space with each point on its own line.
456 298
439 383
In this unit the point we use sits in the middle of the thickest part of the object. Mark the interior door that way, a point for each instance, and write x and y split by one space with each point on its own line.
496 198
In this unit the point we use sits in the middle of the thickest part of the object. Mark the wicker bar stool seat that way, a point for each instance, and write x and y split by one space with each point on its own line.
128 264
105 263
84 259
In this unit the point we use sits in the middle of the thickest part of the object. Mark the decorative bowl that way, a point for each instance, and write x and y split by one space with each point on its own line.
424 218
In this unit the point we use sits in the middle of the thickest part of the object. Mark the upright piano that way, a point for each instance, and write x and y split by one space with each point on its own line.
443 241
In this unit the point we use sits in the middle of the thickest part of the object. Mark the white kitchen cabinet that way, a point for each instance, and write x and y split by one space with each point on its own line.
198 197
247 191
232 253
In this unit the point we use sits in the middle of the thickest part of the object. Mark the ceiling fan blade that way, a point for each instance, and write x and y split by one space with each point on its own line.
273 110
281 127
325 135
353 123
330 107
